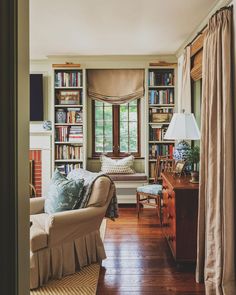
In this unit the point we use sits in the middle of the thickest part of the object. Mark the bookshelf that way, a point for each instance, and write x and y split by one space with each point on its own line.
161 105
69 107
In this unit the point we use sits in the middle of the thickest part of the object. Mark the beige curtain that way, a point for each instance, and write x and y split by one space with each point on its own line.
216 246
115 86
185 97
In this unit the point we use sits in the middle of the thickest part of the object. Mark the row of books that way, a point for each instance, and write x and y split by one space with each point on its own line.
68 152
69 134
152 170
68 79
161 78
161 96
157 134
156 150
74 115
66 168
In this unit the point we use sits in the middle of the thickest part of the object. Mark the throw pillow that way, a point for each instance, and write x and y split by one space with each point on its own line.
121 166
64 194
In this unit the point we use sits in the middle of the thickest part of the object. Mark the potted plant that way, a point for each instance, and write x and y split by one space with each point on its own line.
193 160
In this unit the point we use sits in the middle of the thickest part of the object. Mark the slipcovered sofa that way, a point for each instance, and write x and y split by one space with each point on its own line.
64 242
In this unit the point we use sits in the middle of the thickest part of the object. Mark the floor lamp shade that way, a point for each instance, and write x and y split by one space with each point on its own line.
183 126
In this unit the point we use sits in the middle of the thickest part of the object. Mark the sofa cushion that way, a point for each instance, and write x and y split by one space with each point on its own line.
121 166
63 194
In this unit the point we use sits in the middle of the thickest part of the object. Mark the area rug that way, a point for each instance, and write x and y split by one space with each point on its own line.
83 282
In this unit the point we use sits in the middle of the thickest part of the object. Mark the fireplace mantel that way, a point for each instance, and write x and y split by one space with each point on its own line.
42 140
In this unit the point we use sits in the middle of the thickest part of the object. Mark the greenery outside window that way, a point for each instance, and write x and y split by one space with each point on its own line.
116 129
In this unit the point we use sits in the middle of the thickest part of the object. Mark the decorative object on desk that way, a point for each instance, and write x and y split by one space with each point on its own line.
183 126
60 116
65 97
47 125
193 159
179 167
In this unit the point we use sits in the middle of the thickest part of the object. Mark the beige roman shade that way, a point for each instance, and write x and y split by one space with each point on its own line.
115 86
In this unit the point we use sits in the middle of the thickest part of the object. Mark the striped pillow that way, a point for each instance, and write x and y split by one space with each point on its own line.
121 166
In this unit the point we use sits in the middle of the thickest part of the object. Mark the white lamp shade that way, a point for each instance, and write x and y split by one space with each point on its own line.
183 126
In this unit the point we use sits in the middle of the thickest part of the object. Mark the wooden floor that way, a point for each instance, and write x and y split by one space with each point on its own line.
139 260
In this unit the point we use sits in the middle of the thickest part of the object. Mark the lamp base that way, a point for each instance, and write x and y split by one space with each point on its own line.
181 151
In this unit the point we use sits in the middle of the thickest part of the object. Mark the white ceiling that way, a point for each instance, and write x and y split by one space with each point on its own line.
113 27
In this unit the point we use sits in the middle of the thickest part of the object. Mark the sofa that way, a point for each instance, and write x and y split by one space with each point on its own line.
64 242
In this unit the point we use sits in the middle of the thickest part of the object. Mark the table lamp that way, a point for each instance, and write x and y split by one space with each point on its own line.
183 126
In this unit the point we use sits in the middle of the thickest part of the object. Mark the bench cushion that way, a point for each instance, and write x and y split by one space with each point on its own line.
128 177
152 189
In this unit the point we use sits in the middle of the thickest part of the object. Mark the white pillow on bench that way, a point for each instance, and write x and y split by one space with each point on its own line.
120 166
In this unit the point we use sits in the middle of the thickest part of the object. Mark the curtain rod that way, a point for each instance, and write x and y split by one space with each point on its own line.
201 31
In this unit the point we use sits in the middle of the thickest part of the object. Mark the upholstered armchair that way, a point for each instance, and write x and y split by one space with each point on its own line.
64 242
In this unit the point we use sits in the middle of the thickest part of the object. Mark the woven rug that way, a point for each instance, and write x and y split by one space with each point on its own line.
83 282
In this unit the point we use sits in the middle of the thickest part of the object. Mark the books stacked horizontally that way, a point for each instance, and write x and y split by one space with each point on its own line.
66 168
156 150
76 134
68 152
161 96
68 79
74 115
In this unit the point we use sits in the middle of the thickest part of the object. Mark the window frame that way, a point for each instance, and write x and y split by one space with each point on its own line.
116 133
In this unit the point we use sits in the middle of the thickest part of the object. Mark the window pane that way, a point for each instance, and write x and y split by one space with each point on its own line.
123 129
124 144
129 127
103 127
133 114
124 113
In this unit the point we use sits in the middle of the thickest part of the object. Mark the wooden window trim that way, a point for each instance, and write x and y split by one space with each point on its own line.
116 133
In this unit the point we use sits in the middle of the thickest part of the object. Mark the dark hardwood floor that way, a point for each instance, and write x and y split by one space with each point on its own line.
139 260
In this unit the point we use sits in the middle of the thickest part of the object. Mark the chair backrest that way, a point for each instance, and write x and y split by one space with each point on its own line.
163 164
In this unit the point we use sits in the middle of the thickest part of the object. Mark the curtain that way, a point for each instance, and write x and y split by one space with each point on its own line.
115 86
215 249
186 82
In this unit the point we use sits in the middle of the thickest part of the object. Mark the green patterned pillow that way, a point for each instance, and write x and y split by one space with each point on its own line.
63 194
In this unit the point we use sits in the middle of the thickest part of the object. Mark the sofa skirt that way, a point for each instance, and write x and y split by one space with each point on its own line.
65 259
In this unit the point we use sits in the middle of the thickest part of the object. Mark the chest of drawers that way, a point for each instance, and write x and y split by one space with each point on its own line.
179 216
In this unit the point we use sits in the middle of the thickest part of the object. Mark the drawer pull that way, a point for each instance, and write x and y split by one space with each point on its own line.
169 196
169 216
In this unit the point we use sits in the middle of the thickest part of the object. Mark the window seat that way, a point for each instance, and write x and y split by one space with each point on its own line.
129 177
126 185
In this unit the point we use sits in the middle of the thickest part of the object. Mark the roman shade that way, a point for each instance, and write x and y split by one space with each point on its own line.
115 86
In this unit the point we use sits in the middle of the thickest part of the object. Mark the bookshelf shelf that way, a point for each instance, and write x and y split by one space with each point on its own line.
161 105
69 119
161 86
68 124
69 87
69 160
68 142
68 106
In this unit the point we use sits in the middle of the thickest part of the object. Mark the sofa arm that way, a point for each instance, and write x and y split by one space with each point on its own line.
70 225
37 205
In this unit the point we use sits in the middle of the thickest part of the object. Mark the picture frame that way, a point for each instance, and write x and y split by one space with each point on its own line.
65 97
179 167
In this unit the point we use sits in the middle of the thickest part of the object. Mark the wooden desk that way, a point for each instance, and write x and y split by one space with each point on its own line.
179 216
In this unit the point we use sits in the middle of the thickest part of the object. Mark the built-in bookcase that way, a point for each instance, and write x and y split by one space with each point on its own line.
69 119
161 105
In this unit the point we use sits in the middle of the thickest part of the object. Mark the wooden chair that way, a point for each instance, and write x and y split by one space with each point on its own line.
151 194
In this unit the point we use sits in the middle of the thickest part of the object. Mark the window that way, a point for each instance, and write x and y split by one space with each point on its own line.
116 129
